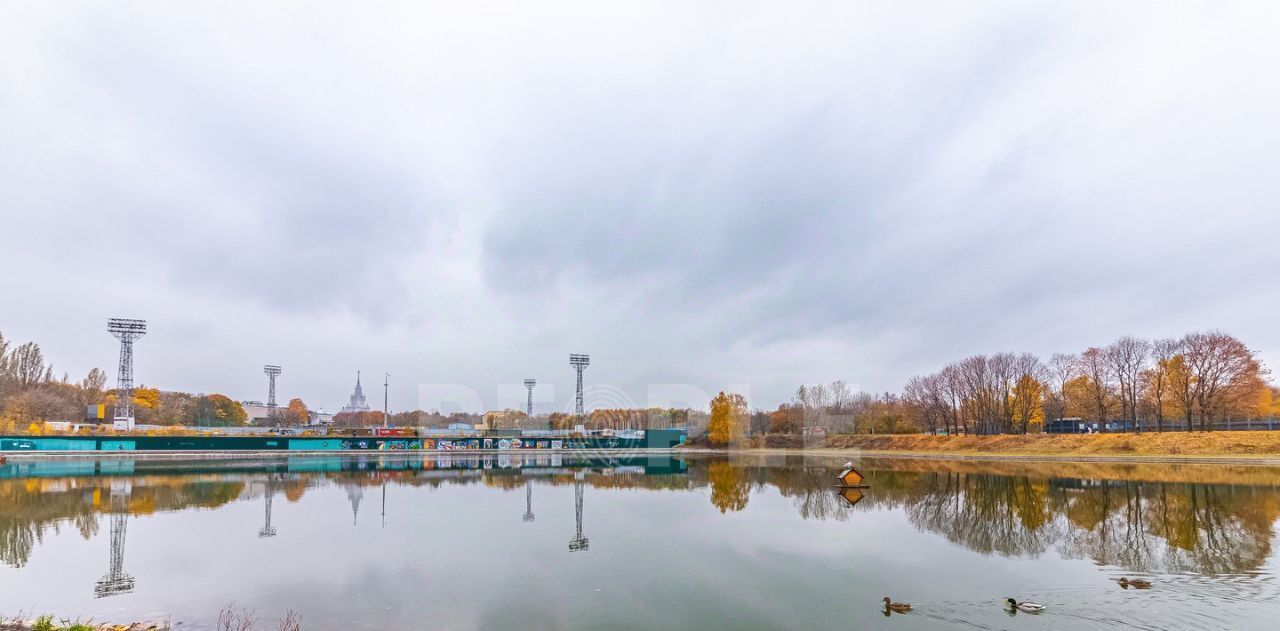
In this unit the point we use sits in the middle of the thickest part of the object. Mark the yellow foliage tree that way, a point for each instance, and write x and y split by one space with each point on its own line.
1027 402
296 413
728 414
146 398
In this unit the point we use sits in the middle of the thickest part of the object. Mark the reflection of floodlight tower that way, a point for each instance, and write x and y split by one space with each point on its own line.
579 363
528 500
125 330
267 529
579 542
116 581
529 384
272 373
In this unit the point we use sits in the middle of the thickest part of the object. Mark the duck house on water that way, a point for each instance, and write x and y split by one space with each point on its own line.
850 478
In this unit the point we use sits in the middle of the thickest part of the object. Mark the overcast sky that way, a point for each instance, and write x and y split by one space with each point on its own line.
715 195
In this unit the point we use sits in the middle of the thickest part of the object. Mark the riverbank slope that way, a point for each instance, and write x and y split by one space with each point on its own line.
1245 444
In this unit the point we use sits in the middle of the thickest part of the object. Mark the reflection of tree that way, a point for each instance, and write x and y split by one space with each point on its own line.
809 488
985 513
730 489
1142 518
33 507
1118 518
1141 526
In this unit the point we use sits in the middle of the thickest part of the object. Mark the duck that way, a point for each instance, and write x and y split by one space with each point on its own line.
1136 583
898 607
1026 606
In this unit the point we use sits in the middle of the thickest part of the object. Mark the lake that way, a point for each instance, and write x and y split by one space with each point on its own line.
639 542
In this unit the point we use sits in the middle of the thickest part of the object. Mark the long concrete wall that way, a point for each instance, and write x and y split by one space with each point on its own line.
653 439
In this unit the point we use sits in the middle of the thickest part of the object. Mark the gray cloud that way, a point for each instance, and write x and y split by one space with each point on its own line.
709 195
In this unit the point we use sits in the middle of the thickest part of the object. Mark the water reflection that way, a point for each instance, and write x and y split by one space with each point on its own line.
1207 520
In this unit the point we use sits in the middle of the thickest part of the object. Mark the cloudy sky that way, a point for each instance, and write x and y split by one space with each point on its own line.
700 195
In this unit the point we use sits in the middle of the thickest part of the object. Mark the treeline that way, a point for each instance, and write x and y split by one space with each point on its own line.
836 409
30 393
1132 384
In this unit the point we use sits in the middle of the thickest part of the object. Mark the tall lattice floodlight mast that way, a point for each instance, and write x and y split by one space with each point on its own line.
126 330
272 372
579 363
528 385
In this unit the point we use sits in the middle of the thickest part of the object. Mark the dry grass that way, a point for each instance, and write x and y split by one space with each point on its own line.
1146 444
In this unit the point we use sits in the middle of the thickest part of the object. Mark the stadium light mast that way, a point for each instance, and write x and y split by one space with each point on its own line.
126 330
272 372
579 363
529 384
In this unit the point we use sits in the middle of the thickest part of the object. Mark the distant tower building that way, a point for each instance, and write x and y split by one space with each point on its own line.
357 403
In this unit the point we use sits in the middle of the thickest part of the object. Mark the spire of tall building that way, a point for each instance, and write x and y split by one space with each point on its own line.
357 402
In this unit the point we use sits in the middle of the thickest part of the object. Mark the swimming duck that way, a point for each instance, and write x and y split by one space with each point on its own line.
1136 583
898 607
1027 607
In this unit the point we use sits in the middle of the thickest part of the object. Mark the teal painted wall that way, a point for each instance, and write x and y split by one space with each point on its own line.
316 444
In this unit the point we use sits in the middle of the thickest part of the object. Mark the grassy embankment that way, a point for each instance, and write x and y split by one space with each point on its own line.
1148 444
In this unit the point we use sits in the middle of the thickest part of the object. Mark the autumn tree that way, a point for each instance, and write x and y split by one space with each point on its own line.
1222 366
1027 401
1099 383
728 416
219 410
296 412
1156 379
787 419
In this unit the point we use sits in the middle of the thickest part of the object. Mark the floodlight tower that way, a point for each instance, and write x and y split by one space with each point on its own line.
126 330
579 363
579 542
529 384
272 372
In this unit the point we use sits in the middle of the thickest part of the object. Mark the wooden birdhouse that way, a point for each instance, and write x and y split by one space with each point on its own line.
850 477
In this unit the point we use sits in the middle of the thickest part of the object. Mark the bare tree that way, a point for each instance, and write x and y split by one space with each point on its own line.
1221 367
27 366
926 400
1126 358
1093 364
1060 369
953 387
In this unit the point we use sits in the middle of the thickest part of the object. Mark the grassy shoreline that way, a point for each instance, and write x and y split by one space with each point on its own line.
1259 447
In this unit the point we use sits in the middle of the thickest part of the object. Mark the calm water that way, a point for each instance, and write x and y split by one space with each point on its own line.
412 542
